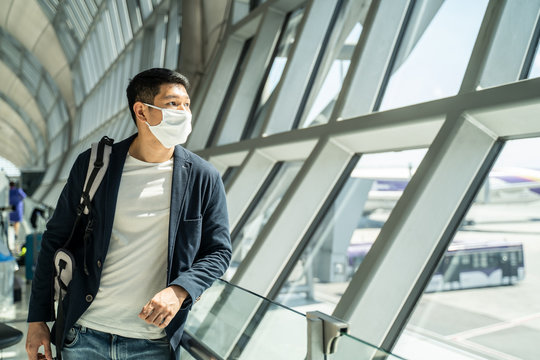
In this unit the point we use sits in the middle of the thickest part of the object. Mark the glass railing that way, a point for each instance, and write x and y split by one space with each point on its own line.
348 347
229 322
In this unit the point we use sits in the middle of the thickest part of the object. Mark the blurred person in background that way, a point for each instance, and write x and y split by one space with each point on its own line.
16 197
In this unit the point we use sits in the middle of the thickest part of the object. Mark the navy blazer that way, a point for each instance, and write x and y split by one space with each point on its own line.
199 240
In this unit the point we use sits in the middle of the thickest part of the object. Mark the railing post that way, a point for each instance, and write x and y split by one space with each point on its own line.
323 333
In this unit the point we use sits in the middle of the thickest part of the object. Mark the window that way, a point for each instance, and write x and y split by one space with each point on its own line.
535 67
321 108
347 230
484 296
246 232
434 52
229 174
282 50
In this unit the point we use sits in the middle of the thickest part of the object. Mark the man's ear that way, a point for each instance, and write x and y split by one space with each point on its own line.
139 109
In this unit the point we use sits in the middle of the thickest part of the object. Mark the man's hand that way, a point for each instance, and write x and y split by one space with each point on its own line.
38 334
164 305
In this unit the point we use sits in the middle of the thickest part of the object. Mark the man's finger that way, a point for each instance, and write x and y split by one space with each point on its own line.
146 311
48 352
154 317
165 322
31 350
158 319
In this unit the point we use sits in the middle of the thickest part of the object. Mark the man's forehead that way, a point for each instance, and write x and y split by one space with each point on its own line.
168 91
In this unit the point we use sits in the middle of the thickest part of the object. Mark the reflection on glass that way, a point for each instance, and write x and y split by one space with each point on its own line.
278 65
220 318
434 53
244 239
493 268
535 67
324 102
348 230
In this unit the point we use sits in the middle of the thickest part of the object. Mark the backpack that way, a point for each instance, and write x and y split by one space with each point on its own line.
64 262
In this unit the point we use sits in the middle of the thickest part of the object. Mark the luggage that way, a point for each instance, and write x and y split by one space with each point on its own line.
33 245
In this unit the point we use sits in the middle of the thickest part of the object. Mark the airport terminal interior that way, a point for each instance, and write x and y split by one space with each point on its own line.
381 162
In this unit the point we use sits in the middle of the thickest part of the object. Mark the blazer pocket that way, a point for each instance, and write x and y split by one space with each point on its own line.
198 218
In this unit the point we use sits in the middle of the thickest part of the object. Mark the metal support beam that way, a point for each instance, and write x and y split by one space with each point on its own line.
508 56
234 121
205 116
371 58
251 176
299 66
258 272
417 232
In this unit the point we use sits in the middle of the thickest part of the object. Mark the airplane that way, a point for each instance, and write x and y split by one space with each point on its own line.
482 252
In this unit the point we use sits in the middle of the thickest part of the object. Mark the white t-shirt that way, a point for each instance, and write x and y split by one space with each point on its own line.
135 268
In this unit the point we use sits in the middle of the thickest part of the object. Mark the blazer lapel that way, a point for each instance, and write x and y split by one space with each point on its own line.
180 180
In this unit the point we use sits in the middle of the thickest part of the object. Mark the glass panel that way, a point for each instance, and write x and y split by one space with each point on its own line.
434 52
31 73
282 326
349 347
323 104
9 168
158 46
10 51
76 25
173 37
135 17
511 47
218 320
232 84
347 230
535 67
245 234
282 50
84 9
146 8
229 174
124 20
483 300
46 97
116 34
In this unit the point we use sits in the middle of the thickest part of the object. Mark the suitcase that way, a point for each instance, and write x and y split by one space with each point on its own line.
33 245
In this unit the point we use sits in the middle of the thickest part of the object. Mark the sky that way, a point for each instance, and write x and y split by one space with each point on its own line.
433 69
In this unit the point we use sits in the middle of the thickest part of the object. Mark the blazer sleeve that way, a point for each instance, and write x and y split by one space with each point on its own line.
58 230
214 254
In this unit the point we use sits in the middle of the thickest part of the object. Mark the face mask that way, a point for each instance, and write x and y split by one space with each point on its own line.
174 128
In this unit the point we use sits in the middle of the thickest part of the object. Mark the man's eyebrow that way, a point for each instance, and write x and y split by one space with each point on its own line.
175 97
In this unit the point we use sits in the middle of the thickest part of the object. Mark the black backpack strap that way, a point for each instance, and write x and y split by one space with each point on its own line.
100 153
101 162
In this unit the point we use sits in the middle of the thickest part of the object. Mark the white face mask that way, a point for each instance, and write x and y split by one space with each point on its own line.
174 128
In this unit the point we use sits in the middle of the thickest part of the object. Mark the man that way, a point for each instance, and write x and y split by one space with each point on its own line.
160 237
16 197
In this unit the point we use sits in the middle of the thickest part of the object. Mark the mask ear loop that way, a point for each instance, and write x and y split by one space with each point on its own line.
157 108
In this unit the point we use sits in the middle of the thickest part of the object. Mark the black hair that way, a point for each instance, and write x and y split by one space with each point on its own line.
146 85
11 183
